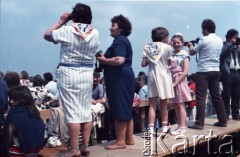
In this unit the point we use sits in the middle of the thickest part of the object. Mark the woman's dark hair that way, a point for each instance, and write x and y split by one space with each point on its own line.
96 74
37 81
192 77
48 76
24 74
180 37
82 13
12 79
141 73
123 23
159 33
143 78
23 97
231 33
1 74
209 25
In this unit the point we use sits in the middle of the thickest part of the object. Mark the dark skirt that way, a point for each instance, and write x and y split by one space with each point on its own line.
120 88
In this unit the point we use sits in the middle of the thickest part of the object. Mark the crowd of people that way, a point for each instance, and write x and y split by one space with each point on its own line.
167 85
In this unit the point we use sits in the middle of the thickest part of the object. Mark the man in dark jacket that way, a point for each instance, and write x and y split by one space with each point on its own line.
230 73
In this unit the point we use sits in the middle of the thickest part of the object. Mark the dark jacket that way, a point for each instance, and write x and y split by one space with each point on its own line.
29 129
225 58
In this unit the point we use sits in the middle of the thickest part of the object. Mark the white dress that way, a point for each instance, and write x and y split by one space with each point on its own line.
78 47
159 75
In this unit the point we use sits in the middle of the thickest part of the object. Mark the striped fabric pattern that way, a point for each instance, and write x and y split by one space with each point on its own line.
75 83
75 89
74 49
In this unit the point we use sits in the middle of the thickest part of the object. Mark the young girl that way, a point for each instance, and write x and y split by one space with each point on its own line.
23 123
155 55
179 64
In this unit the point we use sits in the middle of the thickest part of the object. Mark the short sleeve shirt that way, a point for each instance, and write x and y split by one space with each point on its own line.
74 49
98 92
179 58
209 49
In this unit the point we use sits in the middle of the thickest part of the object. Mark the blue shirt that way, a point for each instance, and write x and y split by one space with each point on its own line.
209 49
143 92
51 87
98 91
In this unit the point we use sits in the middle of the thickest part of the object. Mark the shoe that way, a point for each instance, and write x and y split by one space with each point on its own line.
53 141
195 126
178 131
219 124
163 129
236 118
163 132
84 150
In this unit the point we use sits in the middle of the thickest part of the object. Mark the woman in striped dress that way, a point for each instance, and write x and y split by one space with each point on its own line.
79 43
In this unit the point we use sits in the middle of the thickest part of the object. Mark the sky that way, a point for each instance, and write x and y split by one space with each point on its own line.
24 22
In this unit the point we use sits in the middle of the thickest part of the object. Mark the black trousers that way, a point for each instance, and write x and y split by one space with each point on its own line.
231 91
209 80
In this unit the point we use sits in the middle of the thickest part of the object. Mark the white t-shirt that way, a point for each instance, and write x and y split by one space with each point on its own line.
209 49
52 88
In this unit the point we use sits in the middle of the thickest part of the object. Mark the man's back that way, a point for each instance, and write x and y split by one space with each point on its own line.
209 49
51 87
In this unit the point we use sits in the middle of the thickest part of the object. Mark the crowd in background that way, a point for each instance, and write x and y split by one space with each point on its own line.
46 96
104 109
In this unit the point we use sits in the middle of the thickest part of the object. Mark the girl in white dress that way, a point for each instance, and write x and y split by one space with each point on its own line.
155 55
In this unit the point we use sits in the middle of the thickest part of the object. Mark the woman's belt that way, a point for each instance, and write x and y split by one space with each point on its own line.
76 65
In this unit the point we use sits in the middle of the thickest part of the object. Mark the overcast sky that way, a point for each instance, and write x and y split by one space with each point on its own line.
24 22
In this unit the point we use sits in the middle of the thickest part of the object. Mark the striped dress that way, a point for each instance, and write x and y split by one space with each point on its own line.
79 44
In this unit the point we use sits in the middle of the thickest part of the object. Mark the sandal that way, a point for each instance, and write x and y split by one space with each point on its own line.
72 152
84 150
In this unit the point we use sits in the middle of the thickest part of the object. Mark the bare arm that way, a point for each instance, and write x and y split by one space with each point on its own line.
114 61
102 101
63 20
144 62
191 51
